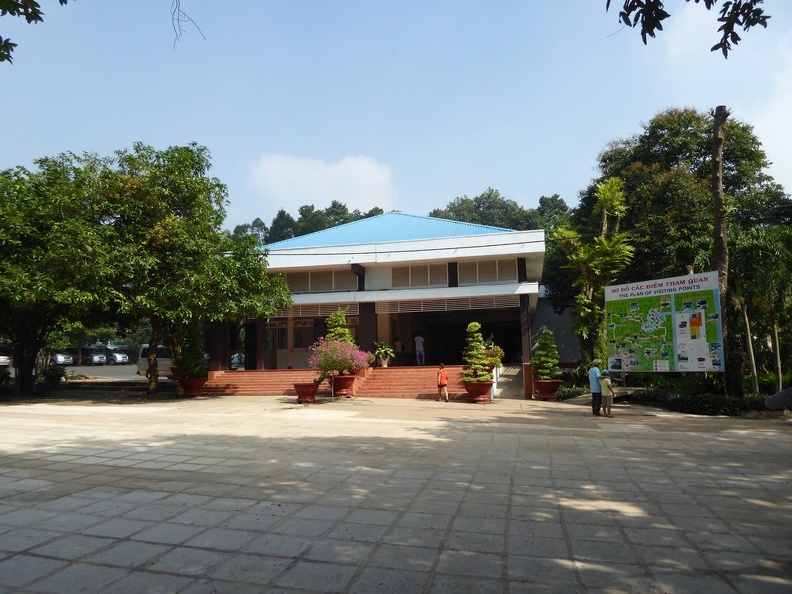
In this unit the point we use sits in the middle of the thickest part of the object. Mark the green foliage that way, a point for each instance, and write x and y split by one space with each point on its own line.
703 403
53 374
333 357
383 350
30 10
544 357
189 349
490 208
567 392
650 14
337 328
477 365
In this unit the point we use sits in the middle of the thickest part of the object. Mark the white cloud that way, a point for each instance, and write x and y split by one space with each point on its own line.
285 182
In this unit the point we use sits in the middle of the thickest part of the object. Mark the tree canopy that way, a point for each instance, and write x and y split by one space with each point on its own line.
490 208
136 236
649 15
30 10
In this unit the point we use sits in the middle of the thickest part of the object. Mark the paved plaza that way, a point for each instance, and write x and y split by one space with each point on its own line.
250 495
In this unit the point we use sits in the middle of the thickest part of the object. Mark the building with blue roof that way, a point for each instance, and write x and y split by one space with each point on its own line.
397 275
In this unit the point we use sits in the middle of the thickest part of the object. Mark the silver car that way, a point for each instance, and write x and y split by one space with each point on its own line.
61 359
116 357
92 356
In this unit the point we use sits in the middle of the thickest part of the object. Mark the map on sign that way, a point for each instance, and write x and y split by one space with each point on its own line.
670 324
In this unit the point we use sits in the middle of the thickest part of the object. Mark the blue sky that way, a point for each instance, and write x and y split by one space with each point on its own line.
404 105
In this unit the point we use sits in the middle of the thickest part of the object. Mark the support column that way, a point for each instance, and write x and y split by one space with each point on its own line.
525 338
219 346
367 328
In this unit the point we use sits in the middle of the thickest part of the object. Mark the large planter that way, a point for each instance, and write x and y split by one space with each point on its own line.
342 385
546 389
306 393
479 392
192 386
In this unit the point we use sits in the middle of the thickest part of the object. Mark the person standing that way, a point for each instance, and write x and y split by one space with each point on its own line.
594 386
398 351
607 393
420 355
442 383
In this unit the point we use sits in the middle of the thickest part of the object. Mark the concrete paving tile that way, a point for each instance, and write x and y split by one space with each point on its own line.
149 583
168 533
278 545
474 564
67 522
618 577
673 580
19 570
340 551
73 546
304 527
79 578
252 569
318 577
469 541
383 580
187 561
127 554
363 532
479 525
117 528
451 584
681 558
372 516
404 557
407 536
153 513
561 572
215 586
222 539
201 517
419 520
26 517
21 539
537 546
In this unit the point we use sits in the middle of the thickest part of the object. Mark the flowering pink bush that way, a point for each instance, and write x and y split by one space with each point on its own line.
336 357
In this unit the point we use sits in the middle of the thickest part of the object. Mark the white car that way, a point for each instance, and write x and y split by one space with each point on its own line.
116 357
61 359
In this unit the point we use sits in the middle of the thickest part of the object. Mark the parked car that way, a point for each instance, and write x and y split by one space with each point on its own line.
116 356
61 358
163 360
92 356
5 355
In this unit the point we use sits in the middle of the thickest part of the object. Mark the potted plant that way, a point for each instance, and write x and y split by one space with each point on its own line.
383 352
544 366
189 357
53 374
337 357
477 374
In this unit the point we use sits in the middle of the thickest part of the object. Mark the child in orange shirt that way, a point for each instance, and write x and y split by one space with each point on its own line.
442 383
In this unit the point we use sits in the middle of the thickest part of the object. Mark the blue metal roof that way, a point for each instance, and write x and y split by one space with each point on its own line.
391 226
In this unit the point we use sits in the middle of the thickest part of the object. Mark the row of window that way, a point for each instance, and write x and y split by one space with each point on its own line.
425 275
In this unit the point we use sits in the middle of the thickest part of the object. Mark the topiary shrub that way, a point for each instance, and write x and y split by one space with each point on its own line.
477 363
544 358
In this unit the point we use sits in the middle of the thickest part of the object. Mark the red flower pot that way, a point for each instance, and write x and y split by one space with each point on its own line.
306 393
342 385
192 386
546 389
479 392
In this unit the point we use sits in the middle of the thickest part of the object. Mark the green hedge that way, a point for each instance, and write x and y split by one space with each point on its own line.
706 403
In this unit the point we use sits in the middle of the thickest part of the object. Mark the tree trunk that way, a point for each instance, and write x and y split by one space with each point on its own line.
749 349
153 371
779 376
721 251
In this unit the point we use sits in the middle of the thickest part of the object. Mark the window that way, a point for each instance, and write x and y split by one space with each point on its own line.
433 275
322 281
487 271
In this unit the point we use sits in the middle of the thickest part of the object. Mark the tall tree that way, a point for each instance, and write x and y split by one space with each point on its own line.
55 265
490 208
598 264
176 266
